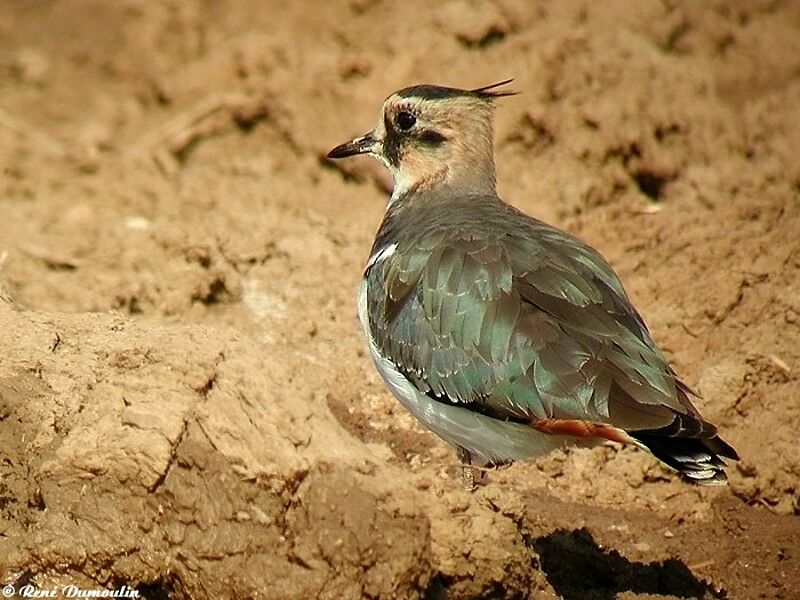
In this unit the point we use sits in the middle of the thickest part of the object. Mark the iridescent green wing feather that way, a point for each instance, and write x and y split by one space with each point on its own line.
529 324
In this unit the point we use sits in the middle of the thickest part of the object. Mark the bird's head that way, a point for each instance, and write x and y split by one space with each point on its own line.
429 135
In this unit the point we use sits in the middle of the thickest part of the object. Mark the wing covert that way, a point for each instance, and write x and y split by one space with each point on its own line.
520 328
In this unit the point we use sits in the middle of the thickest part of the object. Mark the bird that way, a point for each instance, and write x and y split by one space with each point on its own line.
505 336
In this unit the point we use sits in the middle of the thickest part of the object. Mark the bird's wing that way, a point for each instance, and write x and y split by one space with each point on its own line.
521 328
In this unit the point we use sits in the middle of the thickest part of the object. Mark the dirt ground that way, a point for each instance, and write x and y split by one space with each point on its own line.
186 406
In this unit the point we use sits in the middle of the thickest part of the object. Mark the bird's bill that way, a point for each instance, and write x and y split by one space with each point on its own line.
361 145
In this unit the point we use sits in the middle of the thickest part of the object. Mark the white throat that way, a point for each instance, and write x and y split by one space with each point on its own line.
401 184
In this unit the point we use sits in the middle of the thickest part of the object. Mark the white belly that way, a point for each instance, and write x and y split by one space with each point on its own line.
488 440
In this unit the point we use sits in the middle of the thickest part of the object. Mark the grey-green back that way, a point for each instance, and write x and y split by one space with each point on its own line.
483 306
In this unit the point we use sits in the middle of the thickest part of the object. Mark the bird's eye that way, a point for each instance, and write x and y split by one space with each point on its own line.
405 120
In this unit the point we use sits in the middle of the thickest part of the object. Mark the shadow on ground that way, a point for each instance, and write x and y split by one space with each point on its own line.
579 568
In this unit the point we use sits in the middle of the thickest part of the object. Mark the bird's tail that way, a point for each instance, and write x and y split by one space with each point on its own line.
692 447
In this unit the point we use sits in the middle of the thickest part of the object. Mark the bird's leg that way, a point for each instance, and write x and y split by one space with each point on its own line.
467 470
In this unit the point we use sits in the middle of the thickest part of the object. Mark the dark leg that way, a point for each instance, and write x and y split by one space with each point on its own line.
467 470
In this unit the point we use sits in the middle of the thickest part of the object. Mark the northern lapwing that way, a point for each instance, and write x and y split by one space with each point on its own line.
505 336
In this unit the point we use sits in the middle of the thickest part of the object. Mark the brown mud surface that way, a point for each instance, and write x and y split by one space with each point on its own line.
186 405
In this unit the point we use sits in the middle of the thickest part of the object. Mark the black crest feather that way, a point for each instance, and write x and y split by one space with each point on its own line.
491 91
437 92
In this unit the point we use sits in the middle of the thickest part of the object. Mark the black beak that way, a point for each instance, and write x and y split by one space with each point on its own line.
360 145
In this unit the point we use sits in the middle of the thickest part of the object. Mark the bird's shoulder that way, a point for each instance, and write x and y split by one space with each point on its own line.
481 241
